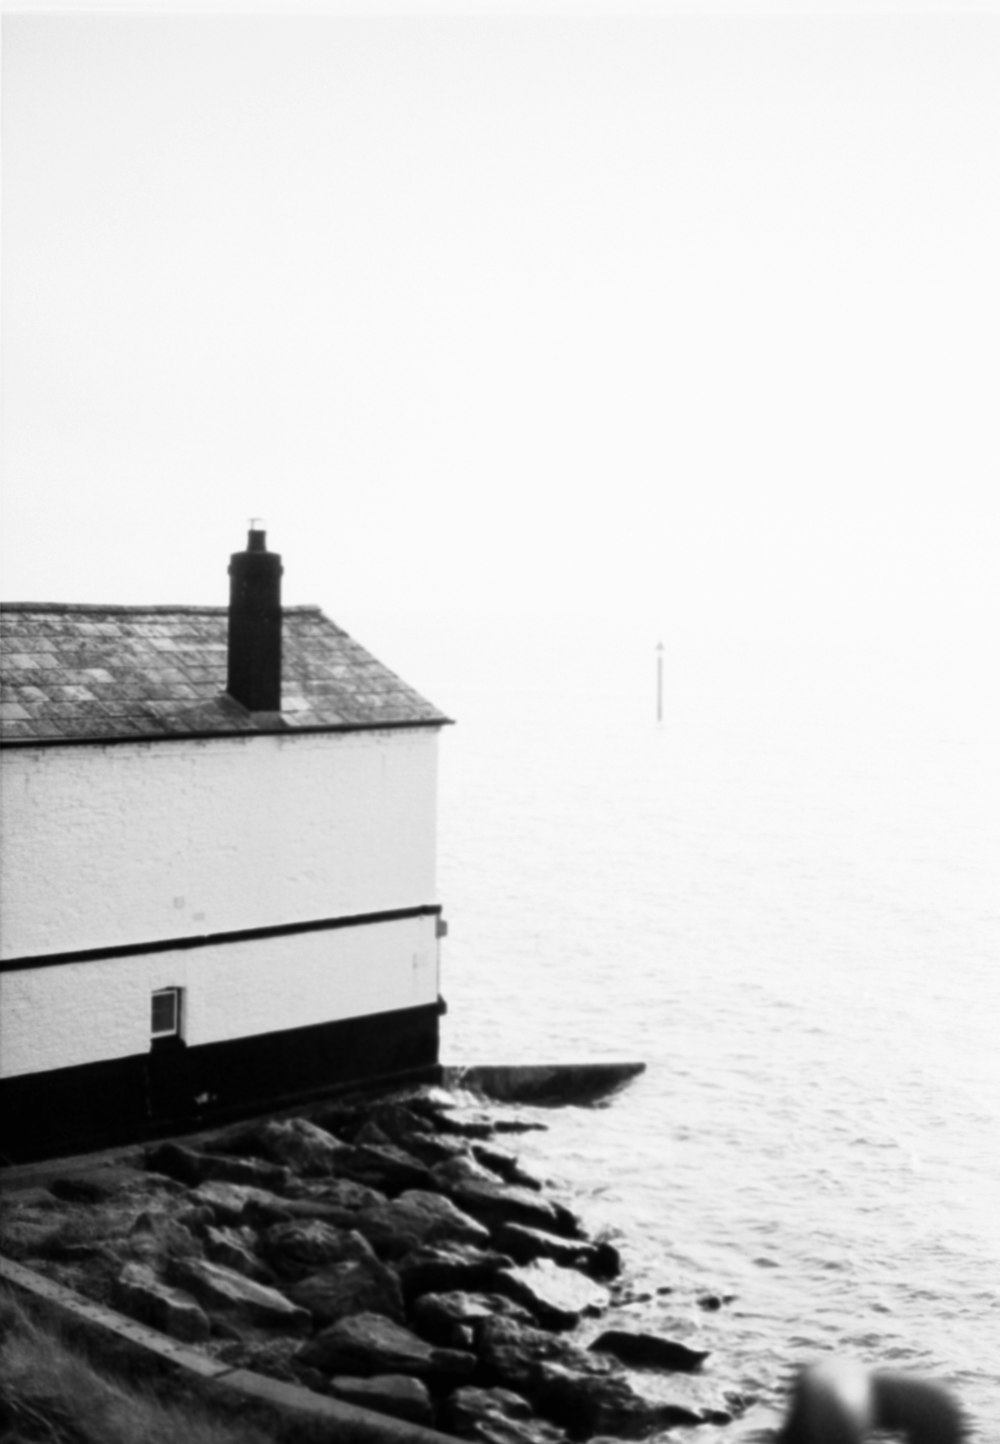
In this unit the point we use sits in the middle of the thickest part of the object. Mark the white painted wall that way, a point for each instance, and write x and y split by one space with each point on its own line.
124 844
74 1013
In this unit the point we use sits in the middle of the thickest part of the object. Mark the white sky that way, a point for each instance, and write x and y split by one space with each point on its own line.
682 320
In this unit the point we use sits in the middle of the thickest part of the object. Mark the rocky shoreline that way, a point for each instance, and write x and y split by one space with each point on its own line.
389 1252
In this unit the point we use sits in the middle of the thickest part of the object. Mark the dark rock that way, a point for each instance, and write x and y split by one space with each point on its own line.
606 1261
558 1297
275 1357
417 1218
383 1166
401 1123
138 1293
434 1148
499 1203
715 1301
458 1169
295 1142
442 1268
96 1186
496 1416
370 1132
303 1246
218 1287
526 1244
36 1197
344 1193
649 1351
192 1167
504 1164
448 1318
395 1394
588 1404
283 1210
235 1248
155 1237
229 1202
196 1217
339 1118
513 1354
368 1344
355 1286
464 1126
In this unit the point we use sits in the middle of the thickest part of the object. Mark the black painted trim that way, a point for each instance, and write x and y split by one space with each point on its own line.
429 724
177 1089
206 940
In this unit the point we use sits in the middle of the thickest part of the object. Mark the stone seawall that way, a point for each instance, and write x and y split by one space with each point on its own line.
389 1253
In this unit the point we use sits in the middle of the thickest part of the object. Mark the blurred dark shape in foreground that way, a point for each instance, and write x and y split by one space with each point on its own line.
837 1401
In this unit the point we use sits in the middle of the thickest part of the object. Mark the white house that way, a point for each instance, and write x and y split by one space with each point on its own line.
218 864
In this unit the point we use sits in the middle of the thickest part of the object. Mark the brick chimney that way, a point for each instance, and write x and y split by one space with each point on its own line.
255 625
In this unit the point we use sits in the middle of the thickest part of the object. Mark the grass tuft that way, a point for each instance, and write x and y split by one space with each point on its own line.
51 1392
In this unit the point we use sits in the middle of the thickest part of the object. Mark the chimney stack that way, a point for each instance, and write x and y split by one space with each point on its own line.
255 625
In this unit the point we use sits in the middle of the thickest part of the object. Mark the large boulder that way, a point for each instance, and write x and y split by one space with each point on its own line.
263 1214
355 1286
504 1164
383 1166
219 1288
341 1193
513 1355
300 1247
496 1416
401 1123
395 1394
524 1244
236 1249
98 1185
154 1236
481 1123
434 1148
460 1168
452 1319
191 1166
442 1268
496 1203
139 1293
588 1404
369 1344
416 1218
295 1142
649 1351
583 1392
231 1203
558 1297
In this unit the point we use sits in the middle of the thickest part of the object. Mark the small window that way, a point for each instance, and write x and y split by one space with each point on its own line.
166 1014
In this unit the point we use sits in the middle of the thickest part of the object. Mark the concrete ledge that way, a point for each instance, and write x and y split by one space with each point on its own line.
545 1085
291 1402
97 1316
350 1421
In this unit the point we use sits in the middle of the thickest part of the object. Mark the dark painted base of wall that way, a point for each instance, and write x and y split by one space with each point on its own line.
175 1089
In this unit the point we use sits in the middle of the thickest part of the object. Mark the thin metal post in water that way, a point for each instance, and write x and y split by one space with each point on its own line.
659 681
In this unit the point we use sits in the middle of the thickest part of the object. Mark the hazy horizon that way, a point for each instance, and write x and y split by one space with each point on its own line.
655 326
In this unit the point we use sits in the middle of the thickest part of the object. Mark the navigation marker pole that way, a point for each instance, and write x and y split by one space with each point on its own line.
659 681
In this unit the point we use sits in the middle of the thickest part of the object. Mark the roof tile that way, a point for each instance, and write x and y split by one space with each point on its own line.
89 672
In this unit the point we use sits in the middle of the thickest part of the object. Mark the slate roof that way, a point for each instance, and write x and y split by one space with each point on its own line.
76 673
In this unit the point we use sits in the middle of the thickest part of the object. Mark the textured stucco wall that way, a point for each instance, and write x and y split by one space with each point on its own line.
76 1013
111 845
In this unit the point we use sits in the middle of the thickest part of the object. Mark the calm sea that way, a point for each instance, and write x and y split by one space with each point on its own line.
785 900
